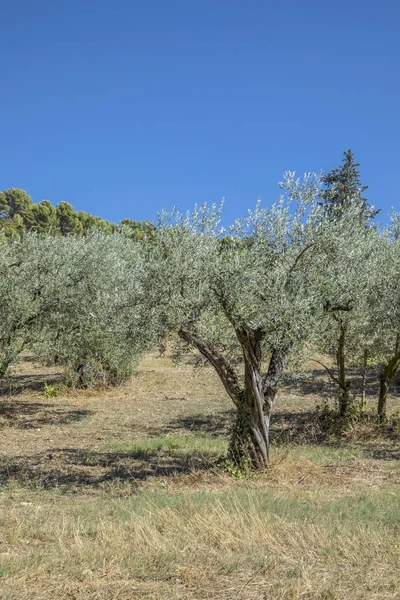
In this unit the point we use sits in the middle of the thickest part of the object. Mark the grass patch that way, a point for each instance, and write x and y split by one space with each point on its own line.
180 542
325 455
201 444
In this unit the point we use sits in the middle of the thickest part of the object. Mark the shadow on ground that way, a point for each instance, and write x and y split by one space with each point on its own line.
384 453
69 469
215 425
32 415
317 383
18 384
286 427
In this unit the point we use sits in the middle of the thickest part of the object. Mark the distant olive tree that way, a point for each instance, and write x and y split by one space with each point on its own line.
75 300
29 271
345 272
98 326
244 299
384 309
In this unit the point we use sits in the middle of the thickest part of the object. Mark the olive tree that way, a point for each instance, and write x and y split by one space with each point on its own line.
242 299
97 325
384 309
28 270
345 272
79 300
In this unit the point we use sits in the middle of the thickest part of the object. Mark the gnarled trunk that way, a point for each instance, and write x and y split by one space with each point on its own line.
250 442
251 433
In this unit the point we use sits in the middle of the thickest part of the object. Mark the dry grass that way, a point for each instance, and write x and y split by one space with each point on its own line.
115 495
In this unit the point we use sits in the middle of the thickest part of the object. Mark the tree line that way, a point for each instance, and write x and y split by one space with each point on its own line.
311 276
18 214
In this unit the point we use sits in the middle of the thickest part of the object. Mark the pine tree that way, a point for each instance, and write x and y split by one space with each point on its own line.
343 189
44 218
68 220
16 206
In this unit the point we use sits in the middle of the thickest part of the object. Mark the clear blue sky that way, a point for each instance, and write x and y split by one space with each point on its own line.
124 107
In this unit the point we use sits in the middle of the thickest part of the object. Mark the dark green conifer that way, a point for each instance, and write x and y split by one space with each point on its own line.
343 189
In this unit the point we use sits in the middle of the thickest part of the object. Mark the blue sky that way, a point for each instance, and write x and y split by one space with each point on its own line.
124 107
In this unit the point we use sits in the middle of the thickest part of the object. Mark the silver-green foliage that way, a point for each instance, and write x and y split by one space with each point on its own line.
384 293
76 300
257 275
282 279
345 272
358 278
28 273
384 308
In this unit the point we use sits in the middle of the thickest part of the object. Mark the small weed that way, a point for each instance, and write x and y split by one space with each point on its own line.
239 471
50 391
394 420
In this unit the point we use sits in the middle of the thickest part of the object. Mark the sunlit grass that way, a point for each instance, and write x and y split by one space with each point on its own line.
289 544
201 444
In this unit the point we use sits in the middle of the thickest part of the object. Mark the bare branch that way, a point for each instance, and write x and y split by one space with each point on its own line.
329 371
225 370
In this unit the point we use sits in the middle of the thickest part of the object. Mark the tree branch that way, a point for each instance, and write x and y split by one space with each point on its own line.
223 367
224 305
300 254
329 371
275 371
334 307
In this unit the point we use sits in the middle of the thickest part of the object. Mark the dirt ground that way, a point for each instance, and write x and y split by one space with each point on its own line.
68 440
72 468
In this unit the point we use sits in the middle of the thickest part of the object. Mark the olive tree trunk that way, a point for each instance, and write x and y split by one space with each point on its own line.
344 384
250 439
10 355
4 364
254 399
364 381
385 379
336 310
